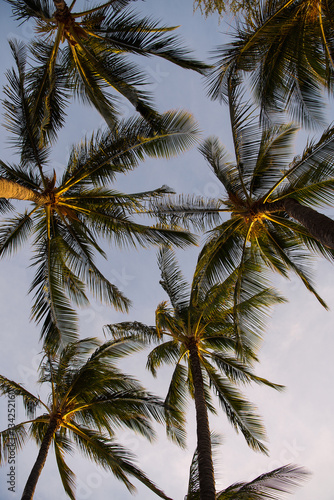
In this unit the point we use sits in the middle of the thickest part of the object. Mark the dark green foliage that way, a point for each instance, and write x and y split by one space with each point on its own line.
90 399
287 45
69 215
87 54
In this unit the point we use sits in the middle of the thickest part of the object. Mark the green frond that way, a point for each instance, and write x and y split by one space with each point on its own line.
172 280
220 162
281 45
297 263
167 352
189 211
270 485
47 85
237 371
253 301
66 474
5 206
125 32
14 232
12 438
316 156
111 456
176 398
274 154
51 304
135 329
111 223
22 174
167 323
24 10
30 401
121 148
222 251
239 411
21 121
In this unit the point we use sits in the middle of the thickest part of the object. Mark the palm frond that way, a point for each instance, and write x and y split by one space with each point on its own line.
238 410
270 485
14 232
27 9
134 329
125 32
51 304
172 280
47 85
21 121
121 148
30 401
298 266
167 352
176 399
12 438
189 211
112 456
66 474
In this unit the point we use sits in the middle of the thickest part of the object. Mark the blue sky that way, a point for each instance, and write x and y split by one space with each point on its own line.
298 347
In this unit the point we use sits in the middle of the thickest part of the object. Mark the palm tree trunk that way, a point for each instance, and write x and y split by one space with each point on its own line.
31 483
12 190
318 225
205 465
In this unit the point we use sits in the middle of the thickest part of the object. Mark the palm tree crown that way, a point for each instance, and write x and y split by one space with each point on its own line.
67 216
197 334
90 398
88 53
288 47
269 197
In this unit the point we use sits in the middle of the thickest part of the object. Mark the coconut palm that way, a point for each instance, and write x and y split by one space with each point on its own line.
89 400
197 335
88 53
269 485
66 217
288 46
269 196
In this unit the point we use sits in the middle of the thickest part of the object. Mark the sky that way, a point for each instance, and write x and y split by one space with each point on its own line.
297 350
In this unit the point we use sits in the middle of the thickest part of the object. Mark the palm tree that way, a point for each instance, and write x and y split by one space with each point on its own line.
266 486
67 216
288 46
87 53
269 198
89 399
197 335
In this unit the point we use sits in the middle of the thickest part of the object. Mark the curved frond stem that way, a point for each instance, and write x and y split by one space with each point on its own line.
292 170
147 140
268 21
